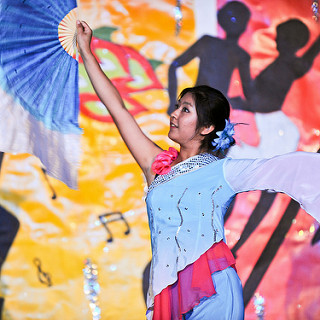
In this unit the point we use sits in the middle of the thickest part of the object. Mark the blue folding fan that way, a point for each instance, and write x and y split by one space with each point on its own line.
39 99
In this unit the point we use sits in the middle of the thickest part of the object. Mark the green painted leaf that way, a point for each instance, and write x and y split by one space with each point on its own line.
104 33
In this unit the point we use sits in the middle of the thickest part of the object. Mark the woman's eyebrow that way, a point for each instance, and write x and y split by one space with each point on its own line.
188 103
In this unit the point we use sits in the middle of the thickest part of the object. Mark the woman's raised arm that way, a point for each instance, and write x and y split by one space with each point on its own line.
141 147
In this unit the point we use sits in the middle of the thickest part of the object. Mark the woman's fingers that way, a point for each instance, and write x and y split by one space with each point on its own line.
84 34
83 26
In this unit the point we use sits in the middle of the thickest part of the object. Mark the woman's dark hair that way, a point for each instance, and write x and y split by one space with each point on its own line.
212 108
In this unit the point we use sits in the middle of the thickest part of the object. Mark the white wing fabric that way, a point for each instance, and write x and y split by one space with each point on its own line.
297 174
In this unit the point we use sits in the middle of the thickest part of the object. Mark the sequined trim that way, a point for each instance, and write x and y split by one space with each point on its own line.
181 217
183 167
215 231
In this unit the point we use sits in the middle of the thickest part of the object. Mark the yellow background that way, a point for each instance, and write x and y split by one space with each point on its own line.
63 232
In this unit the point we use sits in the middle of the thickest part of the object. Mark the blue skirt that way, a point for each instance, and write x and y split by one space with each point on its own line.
226 304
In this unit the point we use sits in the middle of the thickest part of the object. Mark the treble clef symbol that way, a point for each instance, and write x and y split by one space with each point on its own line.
43 277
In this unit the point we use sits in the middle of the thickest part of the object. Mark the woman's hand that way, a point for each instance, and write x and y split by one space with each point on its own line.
84 35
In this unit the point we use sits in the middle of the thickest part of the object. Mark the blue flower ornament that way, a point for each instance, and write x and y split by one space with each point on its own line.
225 137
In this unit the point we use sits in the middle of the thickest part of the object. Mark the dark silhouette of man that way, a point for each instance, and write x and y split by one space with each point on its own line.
218 57
270 88
277 132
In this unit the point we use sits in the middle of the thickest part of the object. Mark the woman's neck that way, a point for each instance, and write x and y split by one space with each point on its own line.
186 153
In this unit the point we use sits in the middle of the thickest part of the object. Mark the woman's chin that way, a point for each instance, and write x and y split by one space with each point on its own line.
171 137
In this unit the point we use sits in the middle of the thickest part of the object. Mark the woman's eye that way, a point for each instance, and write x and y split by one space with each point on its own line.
176 106
185 109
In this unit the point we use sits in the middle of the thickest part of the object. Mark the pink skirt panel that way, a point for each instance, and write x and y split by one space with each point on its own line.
194 282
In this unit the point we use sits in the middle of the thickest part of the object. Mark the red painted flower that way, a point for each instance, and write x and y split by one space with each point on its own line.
162 162
128 70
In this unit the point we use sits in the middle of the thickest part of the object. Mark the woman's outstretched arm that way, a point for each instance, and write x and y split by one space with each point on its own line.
297 174
141 147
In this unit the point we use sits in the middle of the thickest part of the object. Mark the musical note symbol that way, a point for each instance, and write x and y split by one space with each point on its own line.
54 195
111 217
43 277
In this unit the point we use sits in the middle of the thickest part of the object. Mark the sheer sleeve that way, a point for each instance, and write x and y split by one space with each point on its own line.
297 174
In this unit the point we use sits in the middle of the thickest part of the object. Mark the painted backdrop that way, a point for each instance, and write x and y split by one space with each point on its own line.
271 75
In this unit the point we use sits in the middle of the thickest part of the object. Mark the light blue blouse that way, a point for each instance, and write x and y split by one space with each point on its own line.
186 206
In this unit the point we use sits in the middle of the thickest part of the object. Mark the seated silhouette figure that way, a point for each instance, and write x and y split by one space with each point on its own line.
278 134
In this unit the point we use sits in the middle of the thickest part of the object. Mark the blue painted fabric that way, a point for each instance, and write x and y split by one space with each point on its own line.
34 67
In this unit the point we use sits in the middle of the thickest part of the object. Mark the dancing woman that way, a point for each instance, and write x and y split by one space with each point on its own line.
193 273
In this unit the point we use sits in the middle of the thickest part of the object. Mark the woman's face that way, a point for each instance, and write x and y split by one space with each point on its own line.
183 122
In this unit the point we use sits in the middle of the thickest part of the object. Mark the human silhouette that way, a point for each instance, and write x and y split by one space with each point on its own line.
264 96
278 133
273 83
270 88
218 57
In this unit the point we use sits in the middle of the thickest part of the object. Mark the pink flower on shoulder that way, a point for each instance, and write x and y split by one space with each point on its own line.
162 162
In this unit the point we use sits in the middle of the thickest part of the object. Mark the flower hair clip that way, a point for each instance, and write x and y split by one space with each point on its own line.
225 137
